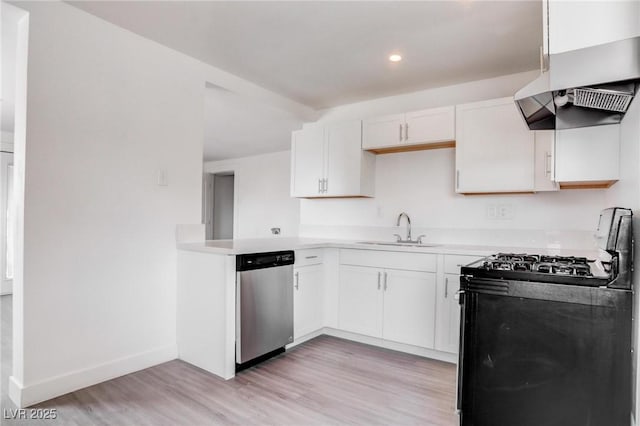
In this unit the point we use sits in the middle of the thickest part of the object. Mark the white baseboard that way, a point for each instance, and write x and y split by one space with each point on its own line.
305 338
25 396
387 344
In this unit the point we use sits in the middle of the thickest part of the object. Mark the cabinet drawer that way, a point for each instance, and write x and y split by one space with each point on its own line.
309 257
391 260
452 263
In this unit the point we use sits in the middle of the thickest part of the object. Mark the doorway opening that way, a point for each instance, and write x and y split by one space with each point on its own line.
13 92
219 205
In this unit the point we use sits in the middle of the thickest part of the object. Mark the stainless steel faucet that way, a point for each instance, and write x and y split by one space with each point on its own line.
408 226
408 240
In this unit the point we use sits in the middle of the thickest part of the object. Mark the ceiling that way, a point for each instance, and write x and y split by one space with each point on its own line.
324 54
237 126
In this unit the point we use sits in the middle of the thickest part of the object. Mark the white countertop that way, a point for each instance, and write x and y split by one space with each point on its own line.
258 245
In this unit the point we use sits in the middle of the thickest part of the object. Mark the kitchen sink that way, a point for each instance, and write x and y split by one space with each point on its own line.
387 243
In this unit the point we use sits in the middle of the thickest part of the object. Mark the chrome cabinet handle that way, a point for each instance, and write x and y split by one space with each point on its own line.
400 132
547 164
406 131
379 273
547 156
458 179
319 186
310 257
385 281
297 285
326 185
446 287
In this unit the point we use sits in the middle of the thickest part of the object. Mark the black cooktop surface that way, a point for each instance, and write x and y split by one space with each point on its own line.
542 268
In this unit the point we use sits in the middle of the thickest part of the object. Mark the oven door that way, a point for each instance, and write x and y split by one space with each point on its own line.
533 362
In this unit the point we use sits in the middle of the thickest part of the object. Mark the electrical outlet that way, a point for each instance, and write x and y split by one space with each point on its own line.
505 212
500 212
492 212
163 177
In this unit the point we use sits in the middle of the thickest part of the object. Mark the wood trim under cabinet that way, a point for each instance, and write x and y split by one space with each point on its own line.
414 147
595 184
498 193
337 196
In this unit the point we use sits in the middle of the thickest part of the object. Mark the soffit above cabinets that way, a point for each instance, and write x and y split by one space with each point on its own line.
324 54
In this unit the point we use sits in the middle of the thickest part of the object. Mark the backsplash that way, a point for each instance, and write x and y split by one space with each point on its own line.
582 240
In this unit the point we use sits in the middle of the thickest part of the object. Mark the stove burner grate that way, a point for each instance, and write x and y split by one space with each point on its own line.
558 265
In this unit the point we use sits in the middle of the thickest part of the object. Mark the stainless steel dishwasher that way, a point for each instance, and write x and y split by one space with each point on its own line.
264 305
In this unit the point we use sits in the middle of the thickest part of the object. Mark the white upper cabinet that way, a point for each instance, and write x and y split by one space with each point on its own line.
494 148
328 161
307 168
383 131
578 24
588 156
428 128
544 175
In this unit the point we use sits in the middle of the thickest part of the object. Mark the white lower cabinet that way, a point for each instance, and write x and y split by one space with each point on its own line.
360 304
447 305
448 314
307 299
409 307
396 305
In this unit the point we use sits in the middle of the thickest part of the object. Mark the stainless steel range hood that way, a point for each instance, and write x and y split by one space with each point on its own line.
585 87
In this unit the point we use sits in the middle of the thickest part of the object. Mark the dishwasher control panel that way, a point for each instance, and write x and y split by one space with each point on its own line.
248 262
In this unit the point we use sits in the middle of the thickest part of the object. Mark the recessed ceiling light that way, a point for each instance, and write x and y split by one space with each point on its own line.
395 58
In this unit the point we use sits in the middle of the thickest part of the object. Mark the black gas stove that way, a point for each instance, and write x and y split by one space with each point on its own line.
542 268
546 340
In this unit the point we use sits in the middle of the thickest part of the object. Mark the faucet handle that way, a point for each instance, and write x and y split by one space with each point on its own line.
419 239
398 237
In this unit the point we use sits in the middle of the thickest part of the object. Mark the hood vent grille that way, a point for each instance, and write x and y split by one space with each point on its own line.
602 99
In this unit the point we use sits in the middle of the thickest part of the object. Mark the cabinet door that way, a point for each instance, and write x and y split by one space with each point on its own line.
383 132
307 168
448 314
494 148
544 174
409 307
307 300
343 158
578 24
360 304
430 125
588 154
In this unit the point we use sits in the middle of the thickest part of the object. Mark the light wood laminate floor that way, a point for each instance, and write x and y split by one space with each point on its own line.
326 381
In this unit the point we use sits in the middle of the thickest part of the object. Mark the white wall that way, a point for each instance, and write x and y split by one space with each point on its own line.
422 184
479 90
262 195
106 109
8 42
626 193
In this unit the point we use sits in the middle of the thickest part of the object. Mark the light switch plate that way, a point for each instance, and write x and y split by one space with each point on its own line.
163 177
